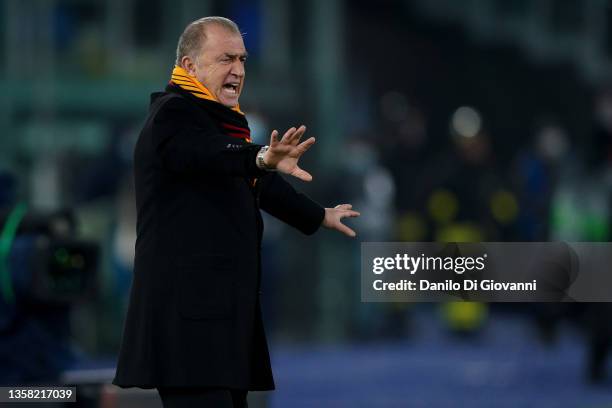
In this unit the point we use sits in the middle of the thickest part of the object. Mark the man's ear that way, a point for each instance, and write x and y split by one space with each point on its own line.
189 65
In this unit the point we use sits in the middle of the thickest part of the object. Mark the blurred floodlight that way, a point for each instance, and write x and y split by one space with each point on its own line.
504 207
443 205
379 186
552 142
412 227
466 122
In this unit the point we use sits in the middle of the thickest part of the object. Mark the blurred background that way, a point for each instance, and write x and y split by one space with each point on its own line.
439 120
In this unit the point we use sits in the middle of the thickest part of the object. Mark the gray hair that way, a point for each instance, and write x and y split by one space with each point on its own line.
192 39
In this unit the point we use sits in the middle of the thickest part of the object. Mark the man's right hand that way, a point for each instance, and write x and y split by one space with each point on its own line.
283 154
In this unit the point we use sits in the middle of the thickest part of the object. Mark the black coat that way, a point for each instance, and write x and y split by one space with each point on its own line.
194 314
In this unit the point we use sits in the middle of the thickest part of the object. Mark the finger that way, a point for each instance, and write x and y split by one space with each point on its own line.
287 135
274 138
305 145
350 214
345 230
301 174
295 138
283 149
344 206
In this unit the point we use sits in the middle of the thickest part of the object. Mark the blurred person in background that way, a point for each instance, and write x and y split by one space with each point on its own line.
537 170
599 209
194 329
573 194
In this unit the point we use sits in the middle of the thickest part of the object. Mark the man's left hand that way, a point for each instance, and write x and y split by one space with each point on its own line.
334 215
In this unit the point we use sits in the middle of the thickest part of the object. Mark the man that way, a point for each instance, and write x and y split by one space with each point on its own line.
194 329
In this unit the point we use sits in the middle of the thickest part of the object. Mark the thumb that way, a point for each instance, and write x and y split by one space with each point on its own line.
301 174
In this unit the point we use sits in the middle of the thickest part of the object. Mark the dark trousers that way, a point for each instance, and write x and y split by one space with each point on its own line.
202 398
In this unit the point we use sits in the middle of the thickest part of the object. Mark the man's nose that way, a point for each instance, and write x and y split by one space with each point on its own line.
238 68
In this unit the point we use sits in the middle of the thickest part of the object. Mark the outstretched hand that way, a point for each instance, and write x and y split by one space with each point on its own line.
283 154
334 215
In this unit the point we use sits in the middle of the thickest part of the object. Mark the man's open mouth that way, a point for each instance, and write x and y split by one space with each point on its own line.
231 87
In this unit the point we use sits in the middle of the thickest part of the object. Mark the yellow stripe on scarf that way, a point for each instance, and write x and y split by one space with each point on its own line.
181 78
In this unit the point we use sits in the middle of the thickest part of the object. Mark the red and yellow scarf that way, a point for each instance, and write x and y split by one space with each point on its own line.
232 120
181 78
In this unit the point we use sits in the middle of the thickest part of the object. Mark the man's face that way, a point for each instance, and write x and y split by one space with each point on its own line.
220 64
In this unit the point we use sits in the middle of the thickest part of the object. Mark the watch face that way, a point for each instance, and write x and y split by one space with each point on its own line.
260 160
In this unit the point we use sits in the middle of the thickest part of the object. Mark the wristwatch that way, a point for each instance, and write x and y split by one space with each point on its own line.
260 159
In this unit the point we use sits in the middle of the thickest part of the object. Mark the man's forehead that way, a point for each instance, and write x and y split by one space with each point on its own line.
224 40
